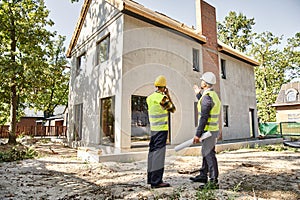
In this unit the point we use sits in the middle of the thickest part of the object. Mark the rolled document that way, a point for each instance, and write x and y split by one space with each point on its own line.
184 144
205 135
190 141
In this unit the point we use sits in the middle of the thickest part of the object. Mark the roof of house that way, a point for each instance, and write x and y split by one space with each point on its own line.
58 111
136 9
285 89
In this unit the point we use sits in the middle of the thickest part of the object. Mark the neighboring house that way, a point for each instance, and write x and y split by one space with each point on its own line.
118 49
287 104
35 123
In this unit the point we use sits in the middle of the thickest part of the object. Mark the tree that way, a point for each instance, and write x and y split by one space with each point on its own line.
269 76
24 41
55 89
236 31
292 53
276 66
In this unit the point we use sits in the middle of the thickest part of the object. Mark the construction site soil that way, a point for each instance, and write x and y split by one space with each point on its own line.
58 174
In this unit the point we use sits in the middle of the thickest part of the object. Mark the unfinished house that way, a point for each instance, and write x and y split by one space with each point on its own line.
118 49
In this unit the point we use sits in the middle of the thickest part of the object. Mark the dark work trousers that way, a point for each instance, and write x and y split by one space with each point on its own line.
209 160
156 157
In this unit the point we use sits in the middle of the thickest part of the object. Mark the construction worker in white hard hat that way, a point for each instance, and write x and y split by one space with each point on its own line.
159 105
209 106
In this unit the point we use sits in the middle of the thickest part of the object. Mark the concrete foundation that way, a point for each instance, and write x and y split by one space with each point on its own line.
98 155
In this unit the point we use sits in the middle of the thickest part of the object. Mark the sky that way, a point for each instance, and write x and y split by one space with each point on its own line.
281 17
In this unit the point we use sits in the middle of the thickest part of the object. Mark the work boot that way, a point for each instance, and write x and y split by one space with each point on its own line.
199 178
211 185
161 185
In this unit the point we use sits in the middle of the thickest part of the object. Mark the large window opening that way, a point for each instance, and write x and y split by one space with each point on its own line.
140 126
107 121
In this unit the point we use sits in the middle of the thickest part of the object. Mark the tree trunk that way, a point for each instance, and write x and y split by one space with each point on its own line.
13 115
13 88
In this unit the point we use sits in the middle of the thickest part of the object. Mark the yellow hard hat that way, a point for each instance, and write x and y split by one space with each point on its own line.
160 81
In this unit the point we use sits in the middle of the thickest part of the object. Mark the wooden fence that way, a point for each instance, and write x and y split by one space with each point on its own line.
42 131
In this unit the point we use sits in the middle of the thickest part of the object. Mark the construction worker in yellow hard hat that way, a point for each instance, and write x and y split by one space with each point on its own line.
159 105
209 106
160 81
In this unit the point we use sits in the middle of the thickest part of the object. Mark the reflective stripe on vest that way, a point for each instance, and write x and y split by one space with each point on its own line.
157 116
213 119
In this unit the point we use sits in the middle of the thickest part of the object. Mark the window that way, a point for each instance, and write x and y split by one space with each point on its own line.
225 116
196 60
140 125
81 60
107 122
103 50
77 122
291 95
223 69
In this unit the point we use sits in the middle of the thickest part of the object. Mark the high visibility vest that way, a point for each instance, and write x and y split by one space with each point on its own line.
213 119
157 116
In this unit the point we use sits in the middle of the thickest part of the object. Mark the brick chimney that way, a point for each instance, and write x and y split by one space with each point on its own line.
206 25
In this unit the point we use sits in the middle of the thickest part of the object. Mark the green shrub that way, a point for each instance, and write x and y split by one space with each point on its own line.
17 153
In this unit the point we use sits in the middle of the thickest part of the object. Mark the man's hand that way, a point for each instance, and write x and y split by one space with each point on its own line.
196 89
196 139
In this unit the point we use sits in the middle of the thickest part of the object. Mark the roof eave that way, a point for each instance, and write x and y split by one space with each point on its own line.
140 10
285 104
79 25
228 50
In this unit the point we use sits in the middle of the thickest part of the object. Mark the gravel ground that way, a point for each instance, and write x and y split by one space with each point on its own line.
58 174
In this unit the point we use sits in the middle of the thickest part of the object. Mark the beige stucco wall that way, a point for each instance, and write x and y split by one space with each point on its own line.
96 81
148 52
286 114
238 92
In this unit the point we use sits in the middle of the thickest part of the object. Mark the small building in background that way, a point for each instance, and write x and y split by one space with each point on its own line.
287 104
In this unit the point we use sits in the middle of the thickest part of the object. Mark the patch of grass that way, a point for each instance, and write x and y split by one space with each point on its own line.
237 187
274 148
207 193
176 194
11 153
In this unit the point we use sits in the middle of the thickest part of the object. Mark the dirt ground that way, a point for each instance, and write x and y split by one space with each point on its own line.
58 174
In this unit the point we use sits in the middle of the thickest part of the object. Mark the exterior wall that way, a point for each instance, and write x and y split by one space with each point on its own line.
288 113
96 81
139 52
238 92
27 121
150 51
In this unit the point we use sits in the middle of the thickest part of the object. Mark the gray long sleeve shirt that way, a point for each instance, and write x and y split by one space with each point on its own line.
206 105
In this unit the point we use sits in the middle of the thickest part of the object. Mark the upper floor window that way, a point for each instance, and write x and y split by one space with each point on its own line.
291 95
103 50
81 60
223 69
196 60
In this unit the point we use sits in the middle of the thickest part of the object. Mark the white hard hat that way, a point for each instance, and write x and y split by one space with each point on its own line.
209 78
